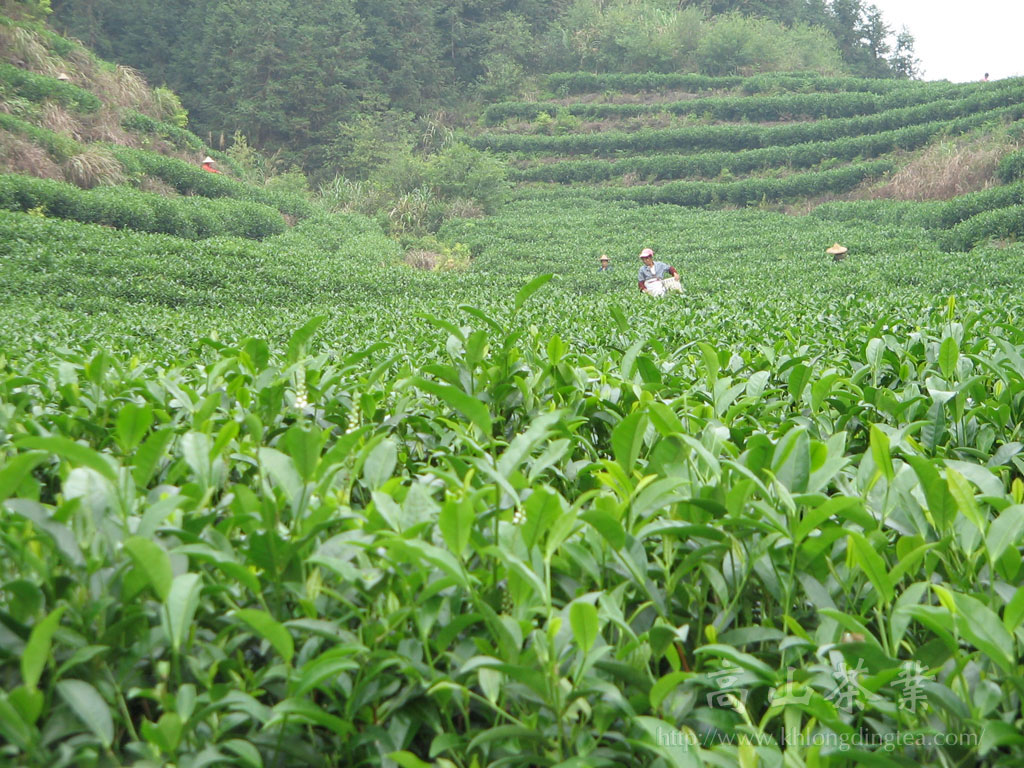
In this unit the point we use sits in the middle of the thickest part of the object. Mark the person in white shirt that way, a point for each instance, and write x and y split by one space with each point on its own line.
653 269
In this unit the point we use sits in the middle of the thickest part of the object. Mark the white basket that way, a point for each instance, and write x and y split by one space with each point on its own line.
672 284
654 287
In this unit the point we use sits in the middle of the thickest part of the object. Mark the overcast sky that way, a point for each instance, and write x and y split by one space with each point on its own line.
961 40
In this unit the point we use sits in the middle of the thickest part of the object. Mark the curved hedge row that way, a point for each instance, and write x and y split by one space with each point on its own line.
127 208
59 146
587 82
732 137
903 213
36 87
1001 223
775 107
966 218
139 123
812 81
712 164
189 179
700 194
967 206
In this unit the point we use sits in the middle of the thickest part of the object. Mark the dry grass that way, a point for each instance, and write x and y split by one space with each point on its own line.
425 260
132 89
159 186
22 47
57 119
20 156
105 125
463 208
94 167
946 169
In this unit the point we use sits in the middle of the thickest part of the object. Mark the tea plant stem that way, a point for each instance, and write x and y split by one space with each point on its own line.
122 704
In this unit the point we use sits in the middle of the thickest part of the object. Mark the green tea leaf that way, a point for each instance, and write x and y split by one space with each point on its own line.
880 452
456 524
151 560
17 469
270 630
628 439
37 649
300 338
180 606
380 464
75 453
584 622
87 704
531 288
133 422
872 564
470 407
949 354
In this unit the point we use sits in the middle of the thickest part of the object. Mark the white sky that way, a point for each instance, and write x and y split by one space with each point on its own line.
961 40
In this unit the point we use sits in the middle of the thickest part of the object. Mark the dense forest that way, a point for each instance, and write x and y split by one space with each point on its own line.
328 83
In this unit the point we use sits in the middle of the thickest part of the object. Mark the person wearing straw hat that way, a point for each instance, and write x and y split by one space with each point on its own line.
605 264
838 252
652 270
208 164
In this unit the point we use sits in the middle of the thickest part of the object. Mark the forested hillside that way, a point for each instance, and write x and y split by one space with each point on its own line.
324 81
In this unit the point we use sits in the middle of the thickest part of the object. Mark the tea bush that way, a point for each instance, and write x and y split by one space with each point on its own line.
486 517
1003 223
1011 167
732 137
36 87
123 207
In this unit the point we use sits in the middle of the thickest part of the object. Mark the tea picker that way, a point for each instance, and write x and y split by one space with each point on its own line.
838 252
656 277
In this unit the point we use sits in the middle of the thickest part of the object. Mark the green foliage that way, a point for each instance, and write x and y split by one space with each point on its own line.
122 207
768 108
41 87
367 142
712 164
169 106
1004 223
436 546
1011 167
460 171
300 80
58 145
182 139
733 137
736 44
289 196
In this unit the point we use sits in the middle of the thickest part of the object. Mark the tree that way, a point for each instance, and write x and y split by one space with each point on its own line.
903 62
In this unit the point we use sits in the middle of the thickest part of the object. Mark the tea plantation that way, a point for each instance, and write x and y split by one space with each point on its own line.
269 496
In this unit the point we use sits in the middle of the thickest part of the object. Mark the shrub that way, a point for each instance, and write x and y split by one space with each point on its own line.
128 208
169 107
1002 224
37 87
1011 167
119 207
58 146
182 139
461 171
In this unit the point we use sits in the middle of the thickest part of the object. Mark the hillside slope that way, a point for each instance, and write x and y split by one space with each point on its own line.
84 139
695 140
